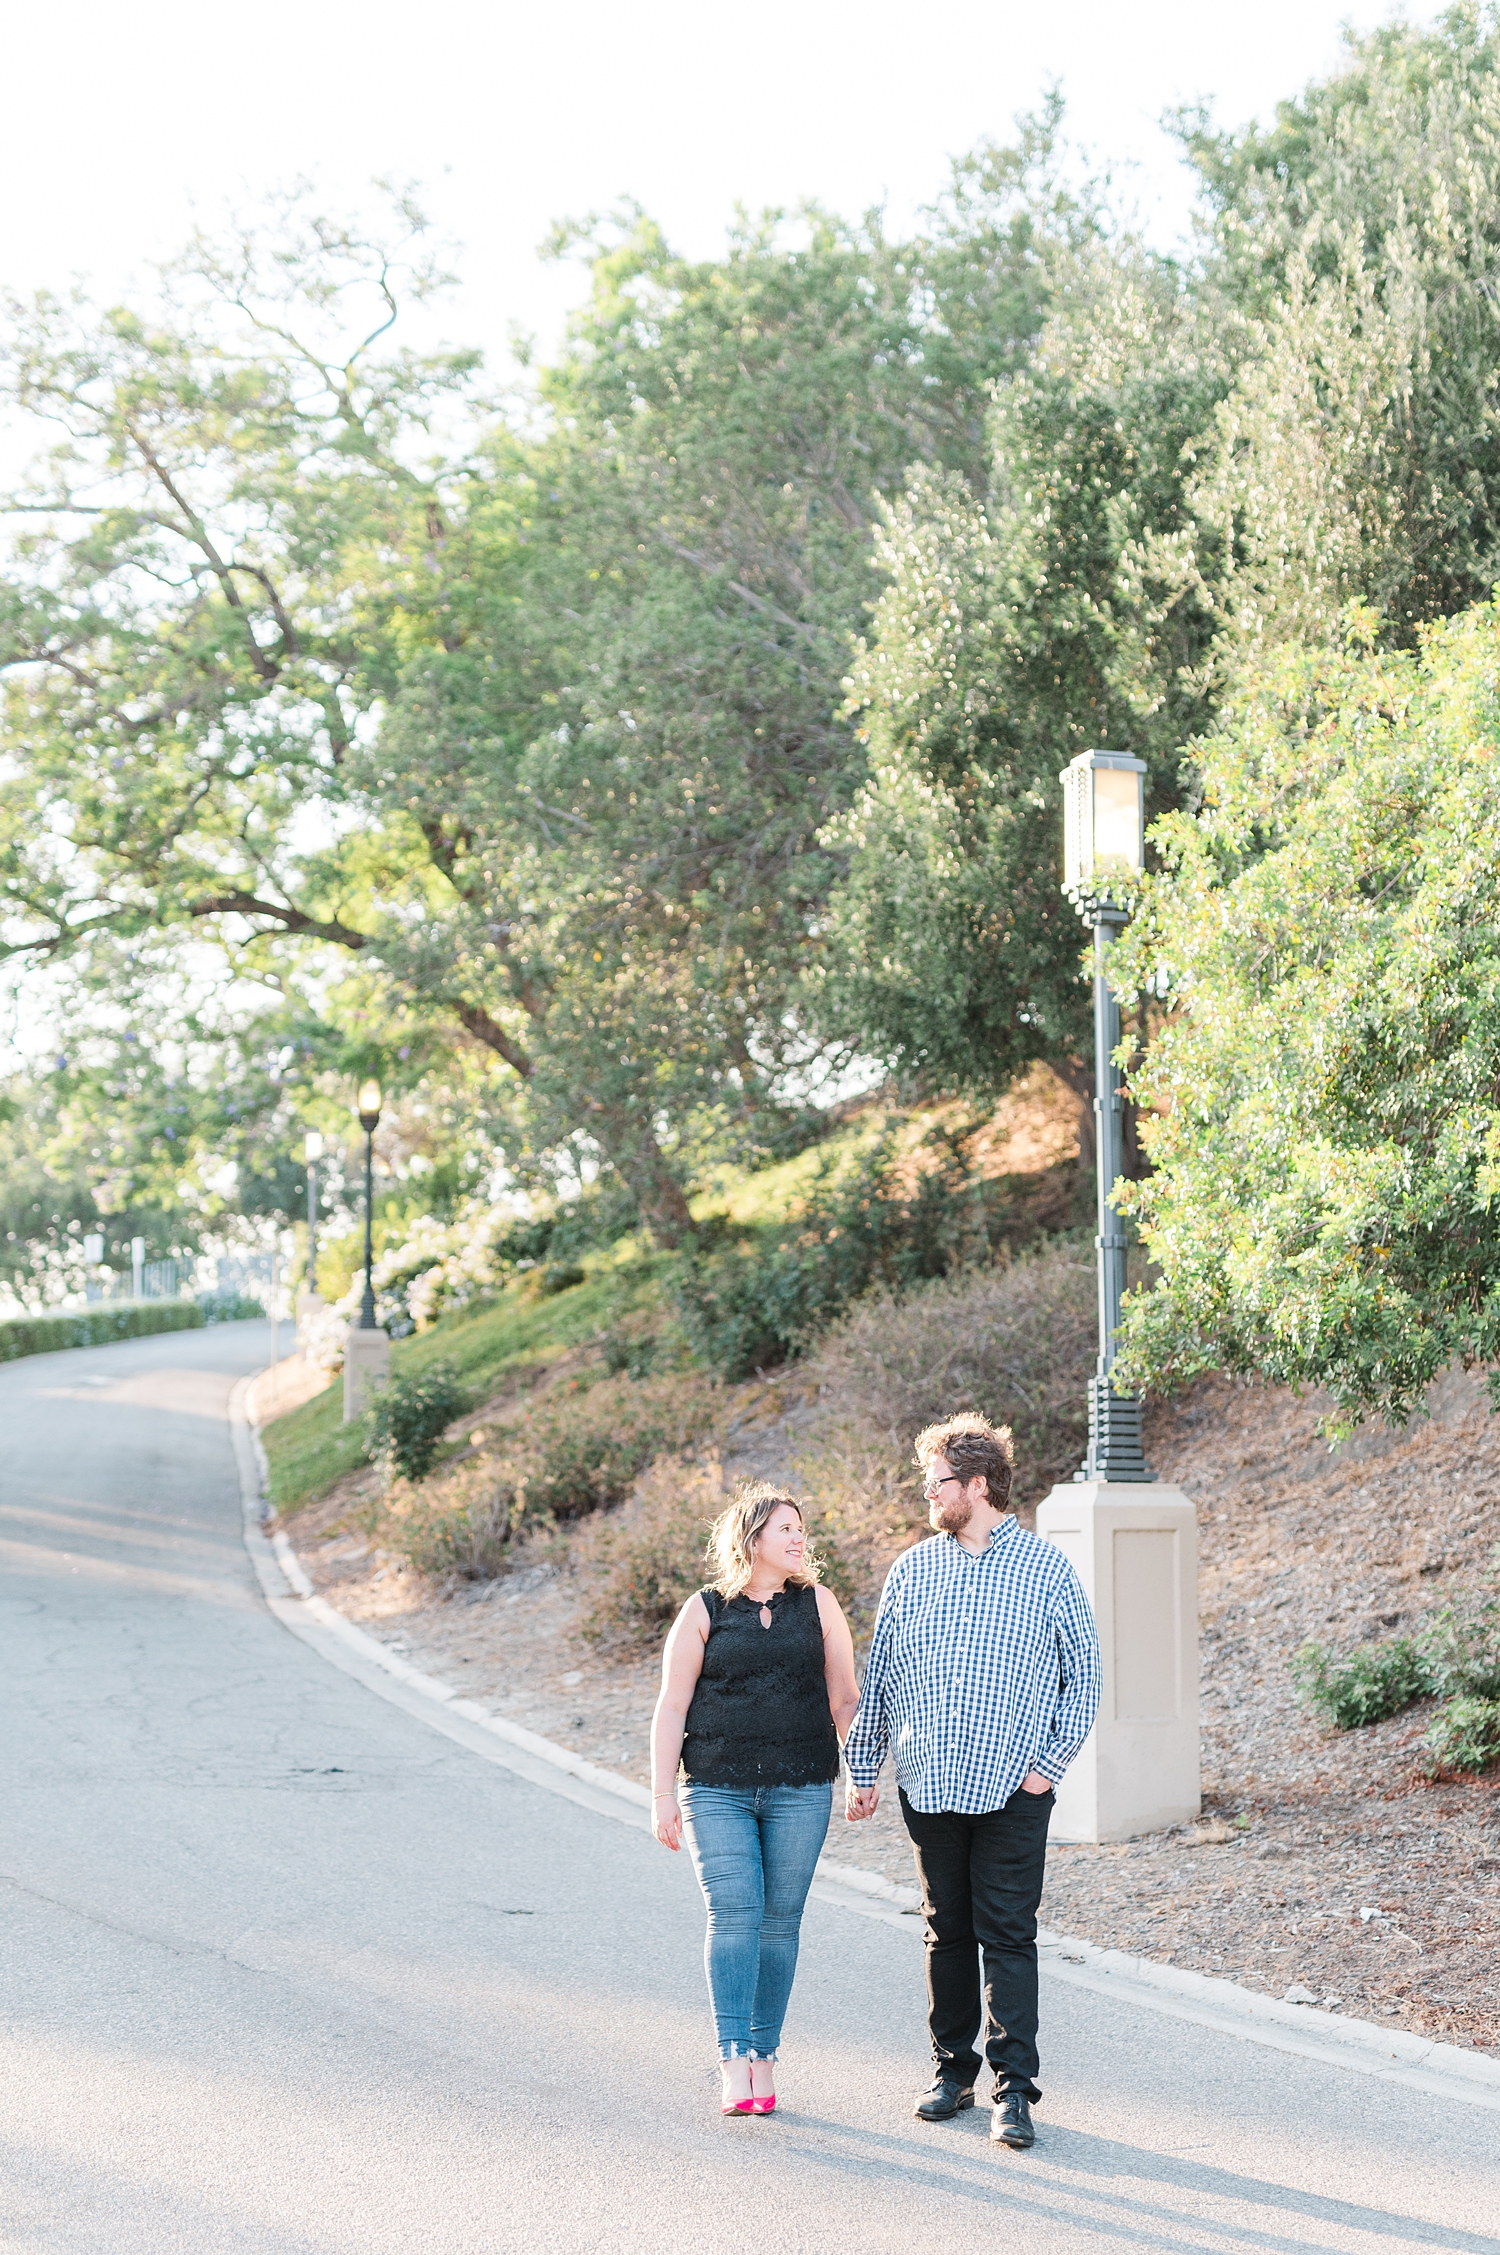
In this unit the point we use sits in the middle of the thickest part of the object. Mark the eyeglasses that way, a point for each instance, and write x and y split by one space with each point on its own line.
936 1487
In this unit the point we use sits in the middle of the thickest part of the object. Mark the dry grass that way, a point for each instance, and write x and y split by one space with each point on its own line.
646 1562
1016 1342
575 1449
646 1559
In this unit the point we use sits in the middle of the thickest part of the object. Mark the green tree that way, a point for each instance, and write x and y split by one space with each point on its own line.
54 1194
640 844
1324 1205
538 736
1355 250
1063 607
1194 465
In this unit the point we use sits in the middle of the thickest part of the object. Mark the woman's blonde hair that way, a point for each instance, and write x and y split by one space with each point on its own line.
735 1533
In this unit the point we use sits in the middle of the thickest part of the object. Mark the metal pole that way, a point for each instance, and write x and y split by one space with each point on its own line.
1116 1449
312 1225
1108 1141
367 1304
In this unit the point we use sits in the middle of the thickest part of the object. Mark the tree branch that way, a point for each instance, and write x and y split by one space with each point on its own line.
198 533
287 919
477 1021
710 569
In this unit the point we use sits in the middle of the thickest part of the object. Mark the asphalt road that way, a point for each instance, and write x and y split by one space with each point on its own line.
286 1970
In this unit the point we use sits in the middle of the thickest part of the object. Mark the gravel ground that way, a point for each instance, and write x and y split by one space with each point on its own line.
1326 1863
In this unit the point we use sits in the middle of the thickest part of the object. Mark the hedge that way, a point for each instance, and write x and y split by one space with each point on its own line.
94 1327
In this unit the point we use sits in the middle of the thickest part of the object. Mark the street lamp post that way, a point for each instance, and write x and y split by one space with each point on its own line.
1104 840
367 1349
1132 1540
312 1152
369 1120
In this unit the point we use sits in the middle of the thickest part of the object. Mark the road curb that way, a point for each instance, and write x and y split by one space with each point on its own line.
1392 2054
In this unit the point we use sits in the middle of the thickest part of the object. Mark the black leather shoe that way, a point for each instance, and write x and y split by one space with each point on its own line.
1011 2123
945 2099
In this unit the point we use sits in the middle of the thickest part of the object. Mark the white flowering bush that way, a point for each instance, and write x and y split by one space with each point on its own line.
467 1268
321 1335
437 1267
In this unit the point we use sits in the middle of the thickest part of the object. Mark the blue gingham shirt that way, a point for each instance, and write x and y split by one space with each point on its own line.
981 1668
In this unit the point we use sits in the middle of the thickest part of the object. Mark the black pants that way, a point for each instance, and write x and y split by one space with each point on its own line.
981 1884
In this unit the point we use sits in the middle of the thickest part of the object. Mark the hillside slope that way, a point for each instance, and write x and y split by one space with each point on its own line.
1306 1828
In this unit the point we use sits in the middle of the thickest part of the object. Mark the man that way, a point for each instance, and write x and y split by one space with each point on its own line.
983 1680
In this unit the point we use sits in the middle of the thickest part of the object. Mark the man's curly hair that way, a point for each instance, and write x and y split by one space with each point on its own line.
974 1448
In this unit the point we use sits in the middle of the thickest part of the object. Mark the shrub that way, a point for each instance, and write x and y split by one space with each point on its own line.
1461 1650
228 1307
1374 1681
1465 1736
633 1352
900 1218
95 1327
474 1528
653 1556
561 1276
410 1415
569 1453
1016 1340
577 1452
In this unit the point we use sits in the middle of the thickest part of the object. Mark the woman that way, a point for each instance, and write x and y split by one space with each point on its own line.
757 1694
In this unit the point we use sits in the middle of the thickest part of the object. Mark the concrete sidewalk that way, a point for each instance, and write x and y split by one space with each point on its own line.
286 1969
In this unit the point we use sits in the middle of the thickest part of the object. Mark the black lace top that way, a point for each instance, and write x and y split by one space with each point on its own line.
760 1713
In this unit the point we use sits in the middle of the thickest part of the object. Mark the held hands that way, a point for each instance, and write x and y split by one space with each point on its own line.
863 1800
666 1820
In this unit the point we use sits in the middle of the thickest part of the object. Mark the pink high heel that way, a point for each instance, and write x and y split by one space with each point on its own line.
763 2105
736 2106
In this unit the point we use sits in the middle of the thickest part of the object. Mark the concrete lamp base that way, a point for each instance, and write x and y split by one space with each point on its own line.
367 1365
1134 1546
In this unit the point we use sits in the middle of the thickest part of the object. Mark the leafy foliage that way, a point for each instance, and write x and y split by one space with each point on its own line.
411 1413
1455 1655
1464 1737
1061 608
1357 455
571 1452
1461 1648
1325 1137
1375 1680
94 1327
229 1307
894 1219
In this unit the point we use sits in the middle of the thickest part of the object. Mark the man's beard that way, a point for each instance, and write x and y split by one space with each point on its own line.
951 1518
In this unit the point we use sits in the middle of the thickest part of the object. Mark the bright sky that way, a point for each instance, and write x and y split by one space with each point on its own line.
123 122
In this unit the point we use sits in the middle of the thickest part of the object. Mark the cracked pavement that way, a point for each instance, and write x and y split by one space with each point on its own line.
283 1969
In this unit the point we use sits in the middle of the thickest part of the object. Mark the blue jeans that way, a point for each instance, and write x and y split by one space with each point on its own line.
755 1849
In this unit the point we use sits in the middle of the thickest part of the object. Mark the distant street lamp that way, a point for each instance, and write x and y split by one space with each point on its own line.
312 1152
1104 840
368 1109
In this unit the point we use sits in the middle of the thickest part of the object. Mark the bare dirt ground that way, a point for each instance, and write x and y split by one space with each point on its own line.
1325 1862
